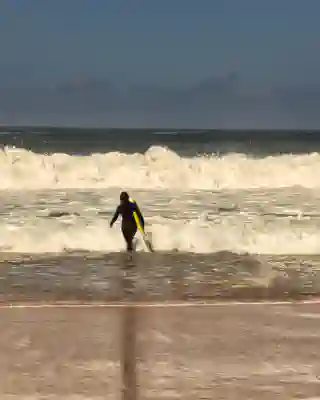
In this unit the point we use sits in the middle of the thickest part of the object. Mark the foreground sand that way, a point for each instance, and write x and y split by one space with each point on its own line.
229 351
56 342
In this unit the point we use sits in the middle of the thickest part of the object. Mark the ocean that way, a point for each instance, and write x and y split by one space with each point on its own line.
201 191
245 198
209 197
234 217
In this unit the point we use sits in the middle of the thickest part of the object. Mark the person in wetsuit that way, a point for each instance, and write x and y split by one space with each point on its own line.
128 225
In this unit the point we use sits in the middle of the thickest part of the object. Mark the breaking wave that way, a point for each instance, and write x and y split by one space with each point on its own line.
157 168
39 236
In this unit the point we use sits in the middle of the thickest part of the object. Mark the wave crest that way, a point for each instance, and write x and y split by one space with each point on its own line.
157 168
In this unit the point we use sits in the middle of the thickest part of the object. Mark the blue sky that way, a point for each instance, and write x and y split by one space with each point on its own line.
172 42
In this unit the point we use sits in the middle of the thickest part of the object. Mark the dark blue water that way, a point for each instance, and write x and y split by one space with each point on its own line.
184 142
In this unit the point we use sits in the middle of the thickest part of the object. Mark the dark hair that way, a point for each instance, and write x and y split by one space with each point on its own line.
124 196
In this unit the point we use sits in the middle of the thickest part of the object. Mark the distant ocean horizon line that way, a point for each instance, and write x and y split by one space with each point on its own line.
160 129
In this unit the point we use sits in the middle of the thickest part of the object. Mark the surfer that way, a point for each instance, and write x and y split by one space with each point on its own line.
126 209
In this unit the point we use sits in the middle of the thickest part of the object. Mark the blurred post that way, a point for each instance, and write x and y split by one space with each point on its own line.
129 337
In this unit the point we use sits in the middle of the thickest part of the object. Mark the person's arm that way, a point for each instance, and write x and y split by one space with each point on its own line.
115 217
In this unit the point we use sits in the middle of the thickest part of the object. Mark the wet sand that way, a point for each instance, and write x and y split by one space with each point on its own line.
55 343
82 276
200 352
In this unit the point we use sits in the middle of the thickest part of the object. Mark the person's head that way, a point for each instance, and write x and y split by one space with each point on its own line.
124 197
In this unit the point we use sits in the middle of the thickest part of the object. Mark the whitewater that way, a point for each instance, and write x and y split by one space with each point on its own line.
207 203
157 168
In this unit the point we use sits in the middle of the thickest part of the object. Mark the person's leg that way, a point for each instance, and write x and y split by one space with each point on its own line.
128 235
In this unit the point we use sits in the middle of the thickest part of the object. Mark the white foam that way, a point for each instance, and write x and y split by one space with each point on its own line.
157 168
37 236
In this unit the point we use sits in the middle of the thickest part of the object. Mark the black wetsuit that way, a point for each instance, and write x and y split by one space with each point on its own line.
128 225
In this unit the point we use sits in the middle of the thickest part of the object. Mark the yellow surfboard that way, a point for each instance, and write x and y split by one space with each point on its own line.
145 238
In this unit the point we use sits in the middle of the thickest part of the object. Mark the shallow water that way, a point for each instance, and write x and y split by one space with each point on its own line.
278 221
156 277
